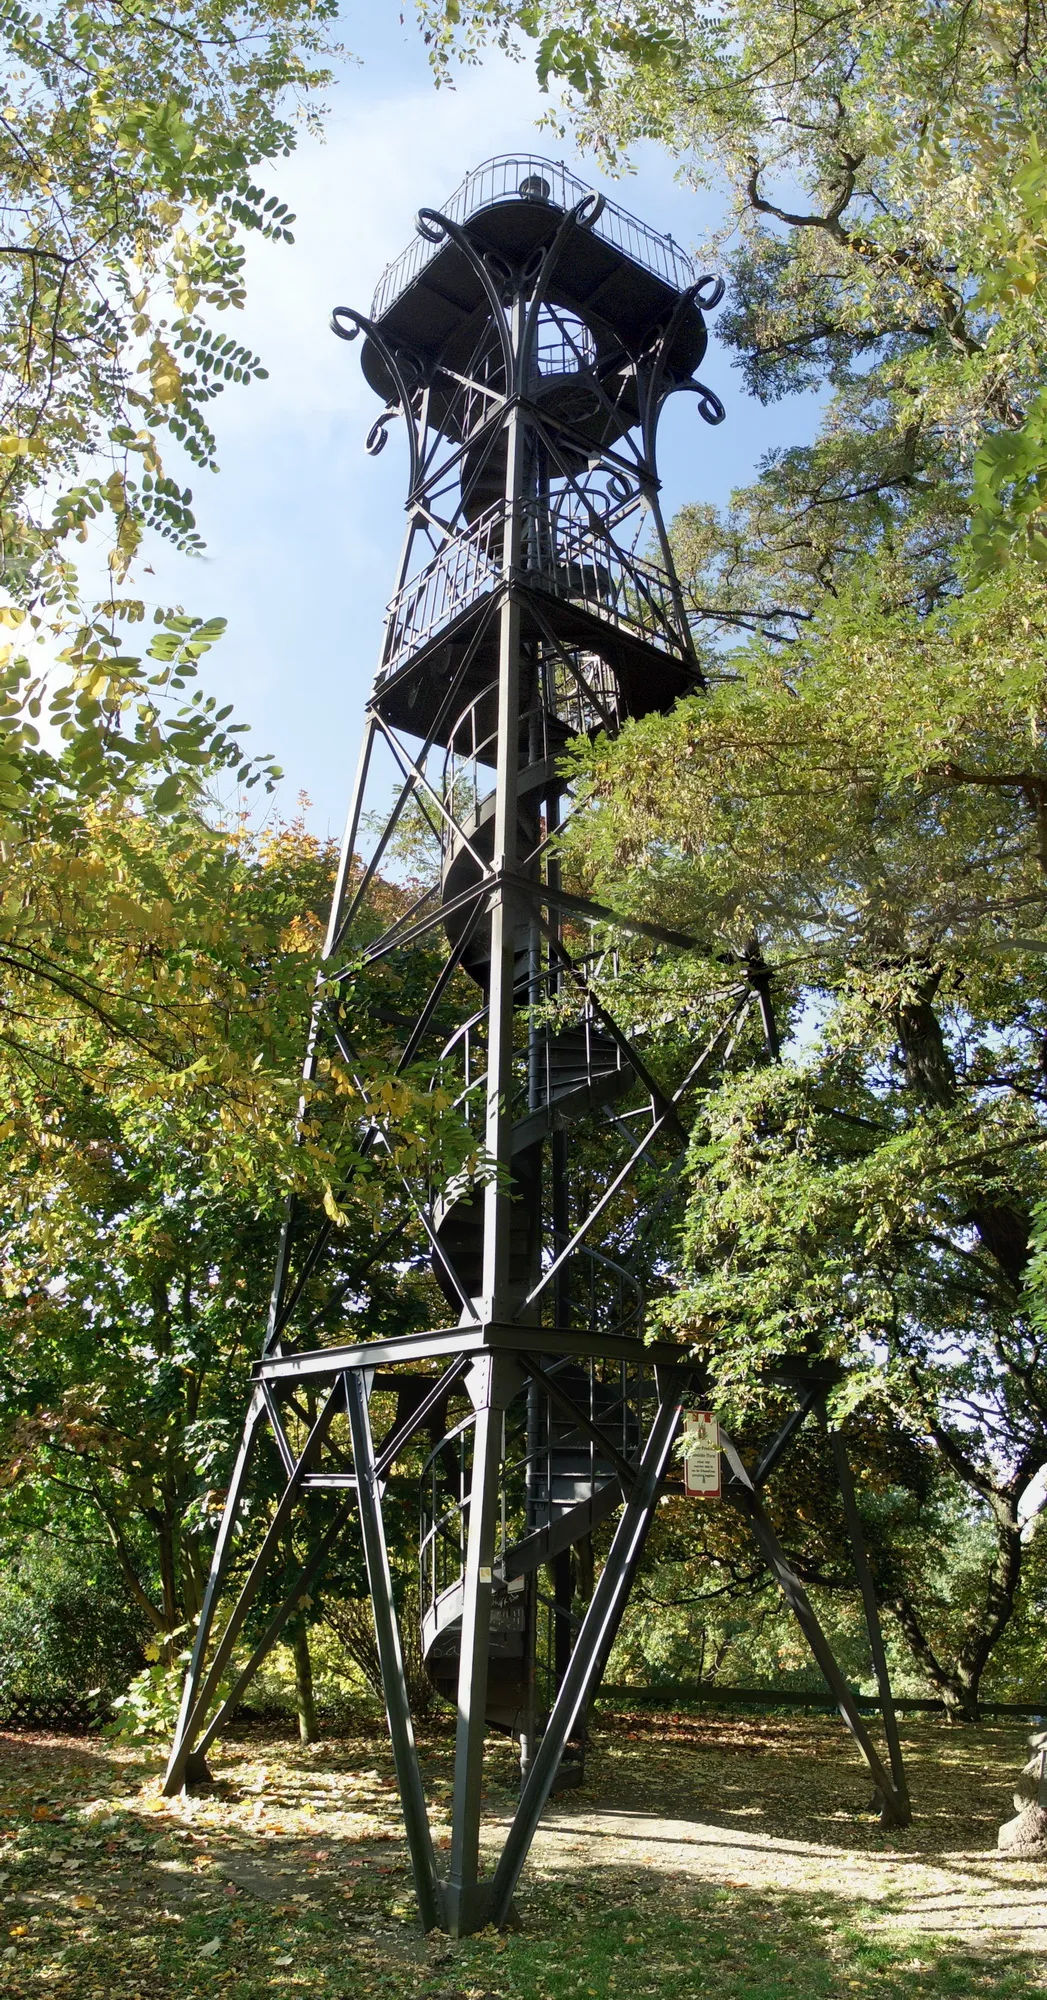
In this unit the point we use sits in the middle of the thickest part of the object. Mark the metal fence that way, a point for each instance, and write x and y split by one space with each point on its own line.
533 179
563 556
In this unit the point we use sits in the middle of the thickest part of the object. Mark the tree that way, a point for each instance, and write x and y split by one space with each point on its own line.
867 809
131 141
859 804
705 1607
150 1143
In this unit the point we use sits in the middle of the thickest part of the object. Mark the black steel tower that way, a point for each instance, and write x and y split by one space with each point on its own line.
526 343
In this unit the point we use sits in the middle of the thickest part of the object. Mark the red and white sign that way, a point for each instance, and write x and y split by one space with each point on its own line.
701 1455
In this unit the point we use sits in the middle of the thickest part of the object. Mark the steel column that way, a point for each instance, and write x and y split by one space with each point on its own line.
504 900
742 1493
493 1382
181 1748
390 1653
872 1620
594 1642
196 1708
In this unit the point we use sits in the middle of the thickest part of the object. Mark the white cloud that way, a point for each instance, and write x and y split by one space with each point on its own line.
355 196
303 530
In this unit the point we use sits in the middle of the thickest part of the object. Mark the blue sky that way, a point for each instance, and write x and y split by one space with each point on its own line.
302 528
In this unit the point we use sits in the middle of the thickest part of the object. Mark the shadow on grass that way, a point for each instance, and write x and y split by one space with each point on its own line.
670 1941
789 1779
633 1889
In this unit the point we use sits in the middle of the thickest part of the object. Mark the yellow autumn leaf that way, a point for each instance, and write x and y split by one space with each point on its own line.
164 373
331 1208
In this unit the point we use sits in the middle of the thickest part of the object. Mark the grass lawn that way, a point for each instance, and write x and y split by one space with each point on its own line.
706 1857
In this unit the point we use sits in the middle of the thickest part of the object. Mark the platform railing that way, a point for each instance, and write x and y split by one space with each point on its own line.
569 559
465 569
532 179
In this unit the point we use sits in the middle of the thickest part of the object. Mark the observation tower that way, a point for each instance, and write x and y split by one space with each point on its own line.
523 348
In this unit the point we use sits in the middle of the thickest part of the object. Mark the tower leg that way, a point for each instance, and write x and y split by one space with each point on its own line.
872 1620
390 1653
302 1585
180 1766
589 1657
895 1810
493 1383
200 1686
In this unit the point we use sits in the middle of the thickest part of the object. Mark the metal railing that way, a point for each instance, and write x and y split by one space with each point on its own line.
565 344
571 558
548 1464
566 557
467 568
529 178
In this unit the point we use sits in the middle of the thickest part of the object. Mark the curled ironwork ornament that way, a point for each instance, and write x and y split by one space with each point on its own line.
378 436
394 359
620 488
435 227
709 291
710 408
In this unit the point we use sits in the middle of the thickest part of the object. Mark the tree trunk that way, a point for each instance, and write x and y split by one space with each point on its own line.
303 1683
1000 1595
1005 1228
957 1692
169 1568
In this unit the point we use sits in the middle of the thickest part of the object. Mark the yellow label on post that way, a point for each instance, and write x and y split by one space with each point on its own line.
701 1455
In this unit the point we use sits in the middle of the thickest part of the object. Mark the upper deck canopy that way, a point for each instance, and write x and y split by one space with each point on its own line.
621 278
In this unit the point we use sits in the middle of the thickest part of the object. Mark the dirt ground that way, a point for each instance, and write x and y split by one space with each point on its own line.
744 1847
783 1805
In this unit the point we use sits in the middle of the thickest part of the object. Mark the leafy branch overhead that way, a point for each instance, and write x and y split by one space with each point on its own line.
131 139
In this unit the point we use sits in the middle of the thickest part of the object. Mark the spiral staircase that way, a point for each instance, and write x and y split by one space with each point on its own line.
572 1438
560 1483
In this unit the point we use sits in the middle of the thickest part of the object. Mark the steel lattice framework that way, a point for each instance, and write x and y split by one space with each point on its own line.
525 344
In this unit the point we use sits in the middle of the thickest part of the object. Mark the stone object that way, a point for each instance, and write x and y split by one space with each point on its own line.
1031 1789
1025 1836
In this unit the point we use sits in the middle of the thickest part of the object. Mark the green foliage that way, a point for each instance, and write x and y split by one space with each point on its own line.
129 188
148 1709
1010 467
149 1145
68 1632
868 807
128 183
1018 1668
